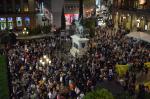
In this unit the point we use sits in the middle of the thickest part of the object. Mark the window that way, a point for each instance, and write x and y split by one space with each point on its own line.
10 22
27 21
19 21
2 23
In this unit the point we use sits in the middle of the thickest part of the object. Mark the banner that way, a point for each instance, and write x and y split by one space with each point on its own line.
147 64
121 69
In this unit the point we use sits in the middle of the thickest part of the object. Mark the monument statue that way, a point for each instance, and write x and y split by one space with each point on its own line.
79 27
79 41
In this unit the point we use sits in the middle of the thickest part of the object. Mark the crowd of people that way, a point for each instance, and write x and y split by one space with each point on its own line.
73 78
116 48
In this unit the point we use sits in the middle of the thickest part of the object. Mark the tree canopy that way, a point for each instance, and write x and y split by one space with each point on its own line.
99 94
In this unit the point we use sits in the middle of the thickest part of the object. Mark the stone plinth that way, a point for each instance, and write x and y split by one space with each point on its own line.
79 45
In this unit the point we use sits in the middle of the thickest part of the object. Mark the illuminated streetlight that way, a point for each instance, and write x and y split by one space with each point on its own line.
45 60
45 56
43 63
49 62
40 60
25 31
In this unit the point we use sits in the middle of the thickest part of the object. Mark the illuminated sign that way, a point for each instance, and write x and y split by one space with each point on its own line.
70 17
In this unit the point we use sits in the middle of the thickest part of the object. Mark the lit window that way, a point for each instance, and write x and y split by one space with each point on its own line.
27 21
10 22
2 23
19 21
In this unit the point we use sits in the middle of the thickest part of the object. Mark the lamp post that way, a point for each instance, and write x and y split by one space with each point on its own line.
25 31
45 60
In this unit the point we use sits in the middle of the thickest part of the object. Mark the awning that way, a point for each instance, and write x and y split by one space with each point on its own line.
140 36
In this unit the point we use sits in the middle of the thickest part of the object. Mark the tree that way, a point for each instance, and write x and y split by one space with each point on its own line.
90 24
63 20
99 94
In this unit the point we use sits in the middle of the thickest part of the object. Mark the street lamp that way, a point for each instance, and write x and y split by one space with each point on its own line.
45 60
25 31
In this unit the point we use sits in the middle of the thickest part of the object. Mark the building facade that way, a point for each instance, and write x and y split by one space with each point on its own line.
132 14
71 10
18 14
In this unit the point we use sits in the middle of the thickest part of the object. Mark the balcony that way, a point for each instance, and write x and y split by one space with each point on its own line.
132 10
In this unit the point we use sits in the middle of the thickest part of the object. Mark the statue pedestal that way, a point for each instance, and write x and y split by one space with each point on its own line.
79 45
